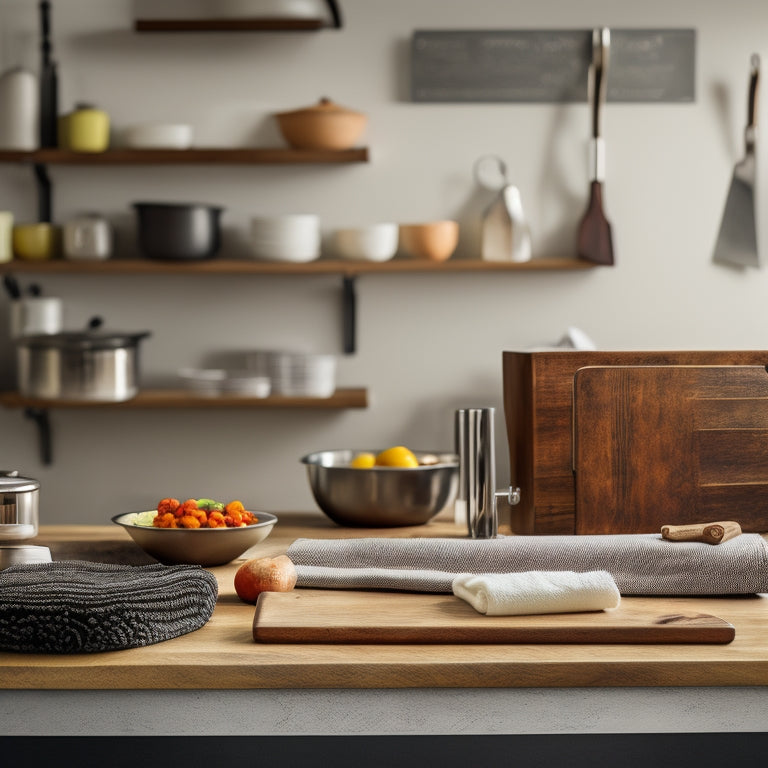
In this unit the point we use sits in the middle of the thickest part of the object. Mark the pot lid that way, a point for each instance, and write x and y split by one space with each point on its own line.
323 107
90 339
82 340
12 482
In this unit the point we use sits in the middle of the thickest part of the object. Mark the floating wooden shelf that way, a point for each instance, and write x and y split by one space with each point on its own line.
37 409
229 25
320 267
181 398
194 156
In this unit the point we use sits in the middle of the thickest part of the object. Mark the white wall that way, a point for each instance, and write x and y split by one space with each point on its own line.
427 344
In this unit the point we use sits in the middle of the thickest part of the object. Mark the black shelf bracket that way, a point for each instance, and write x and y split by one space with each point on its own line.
349 314
44 193
335 11
43 423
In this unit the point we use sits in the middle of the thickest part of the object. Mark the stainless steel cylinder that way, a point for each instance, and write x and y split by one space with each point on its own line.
477 470
103 374
19 499
90 365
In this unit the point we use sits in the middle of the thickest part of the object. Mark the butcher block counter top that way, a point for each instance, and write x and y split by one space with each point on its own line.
223 654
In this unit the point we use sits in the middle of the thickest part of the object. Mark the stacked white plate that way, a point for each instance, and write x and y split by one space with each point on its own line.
293 238
296 374
246 383
212 382
203 381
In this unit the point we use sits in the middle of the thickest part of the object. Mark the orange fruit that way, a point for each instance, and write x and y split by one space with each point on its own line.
397 456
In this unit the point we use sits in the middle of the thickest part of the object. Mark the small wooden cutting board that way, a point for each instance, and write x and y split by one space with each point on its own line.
348 616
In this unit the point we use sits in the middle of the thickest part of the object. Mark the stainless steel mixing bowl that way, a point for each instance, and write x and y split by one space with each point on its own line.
381 497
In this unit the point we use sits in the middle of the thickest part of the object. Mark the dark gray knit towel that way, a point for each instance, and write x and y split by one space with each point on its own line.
641 564
74 606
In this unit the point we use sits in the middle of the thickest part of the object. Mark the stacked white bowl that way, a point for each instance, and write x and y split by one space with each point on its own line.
246 383
203 381
296 374
292 237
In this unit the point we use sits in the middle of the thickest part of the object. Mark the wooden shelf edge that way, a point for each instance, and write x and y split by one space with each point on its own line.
354 397
319 267
230 25
194 156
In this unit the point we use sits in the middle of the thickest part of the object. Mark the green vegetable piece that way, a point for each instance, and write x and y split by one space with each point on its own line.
210 505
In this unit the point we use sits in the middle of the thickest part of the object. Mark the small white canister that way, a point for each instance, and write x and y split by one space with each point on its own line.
19 109
88 237
34 315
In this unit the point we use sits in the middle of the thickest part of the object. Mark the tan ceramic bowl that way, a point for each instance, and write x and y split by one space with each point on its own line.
434 240
196 546
323 126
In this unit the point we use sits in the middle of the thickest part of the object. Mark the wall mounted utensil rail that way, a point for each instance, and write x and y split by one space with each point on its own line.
550 66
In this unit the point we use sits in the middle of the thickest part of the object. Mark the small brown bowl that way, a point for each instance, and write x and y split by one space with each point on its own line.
434 240
323 126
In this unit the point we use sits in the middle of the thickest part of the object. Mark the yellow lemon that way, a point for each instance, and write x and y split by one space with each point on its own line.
398 456
363 461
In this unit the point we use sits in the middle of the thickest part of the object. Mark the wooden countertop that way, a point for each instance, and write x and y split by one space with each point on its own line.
223 655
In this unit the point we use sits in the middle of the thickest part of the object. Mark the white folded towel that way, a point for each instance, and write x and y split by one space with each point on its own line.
529 592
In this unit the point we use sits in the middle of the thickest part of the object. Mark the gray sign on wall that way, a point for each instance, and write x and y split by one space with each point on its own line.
646 65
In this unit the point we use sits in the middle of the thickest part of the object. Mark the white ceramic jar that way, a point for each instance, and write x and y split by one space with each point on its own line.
19 109
87 237
34 315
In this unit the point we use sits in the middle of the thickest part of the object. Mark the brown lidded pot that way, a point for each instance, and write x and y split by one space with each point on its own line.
326 125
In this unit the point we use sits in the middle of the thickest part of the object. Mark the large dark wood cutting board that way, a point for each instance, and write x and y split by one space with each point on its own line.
348 616
670 444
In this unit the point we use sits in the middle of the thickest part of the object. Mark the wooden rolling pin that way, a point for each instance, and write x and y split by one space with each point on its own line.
711 533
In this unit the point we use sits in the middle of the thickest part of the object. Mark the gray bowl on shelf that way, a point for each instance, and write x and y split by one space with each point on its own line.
381 497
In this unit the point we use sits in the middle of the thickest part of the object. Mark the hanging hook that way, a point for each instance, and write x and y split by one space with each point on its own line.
491 172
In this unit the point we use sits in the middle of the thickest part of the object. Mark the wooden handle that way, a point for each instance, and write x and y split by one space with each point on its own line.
711 533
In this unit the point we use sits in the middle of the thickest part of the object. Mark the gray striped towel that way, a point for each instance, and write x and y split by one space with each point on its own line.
74 606
641 564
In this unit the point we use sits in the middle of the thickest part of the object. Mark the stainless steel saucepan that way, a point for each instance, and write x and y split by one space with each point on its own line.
91 365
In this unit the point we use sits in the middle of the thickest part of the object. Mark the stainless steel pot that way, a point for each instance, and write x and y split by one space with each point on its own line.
93 365
19 498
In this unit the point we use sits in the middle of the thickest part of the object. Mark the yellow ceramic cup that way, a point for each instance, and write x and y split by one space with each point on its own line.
34 241
84 130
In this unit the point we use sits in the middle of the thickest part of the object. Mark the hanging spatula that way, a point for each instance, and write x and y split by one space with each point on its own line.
595 242
737 240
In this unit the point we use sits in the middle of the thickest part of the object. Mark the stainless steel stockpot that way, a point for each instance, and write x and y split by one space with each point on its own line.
92 365
19 498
